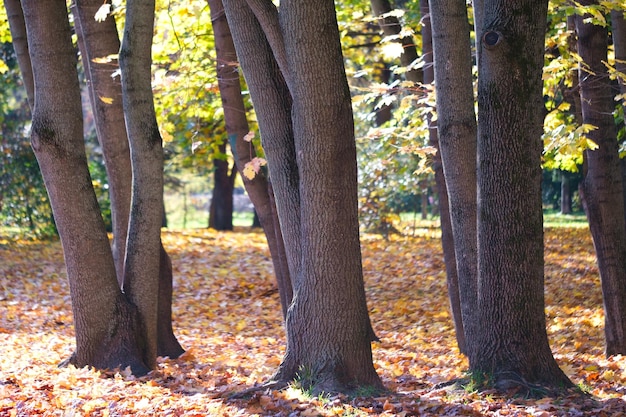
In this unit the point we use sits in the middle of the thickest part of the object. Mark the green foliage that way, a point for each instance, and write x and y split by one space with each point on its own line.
23 198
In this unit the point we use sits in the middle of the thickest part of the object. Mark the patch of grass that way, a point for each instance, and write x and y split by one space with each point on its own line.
553 218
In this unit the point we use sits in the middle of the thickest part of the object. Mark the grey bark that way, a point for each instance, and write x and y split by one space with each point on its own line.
105 323
141 274
328 328
456 123
447 237
99 44
513 342
602 184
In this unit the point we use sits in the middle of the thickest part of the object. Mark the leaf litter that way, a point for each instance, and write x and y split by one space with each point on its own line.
228 318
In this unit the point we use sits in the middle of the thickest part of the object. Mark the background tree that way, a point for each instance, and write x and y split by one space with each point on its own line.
602 183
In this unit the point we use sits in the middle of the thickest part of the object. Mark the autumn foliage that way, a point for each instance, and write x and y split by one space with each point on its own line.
227 315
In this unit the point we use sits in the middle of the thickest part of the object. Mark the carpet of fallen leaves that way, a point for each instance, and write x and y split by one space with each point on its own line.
227 316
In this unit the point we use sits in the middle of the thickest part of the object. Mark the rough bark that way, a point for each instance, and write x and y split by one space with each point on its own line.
258 188
447 237
514 349
105 323
141 274
99 44
602 183
328 328
456 122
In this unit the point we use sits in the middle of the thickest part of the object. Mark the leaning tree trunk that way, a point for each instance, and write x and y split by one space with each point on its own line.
513 341
141 274
105 323
328 328
99 43
17 25
258 187
602 183
456 122
447 237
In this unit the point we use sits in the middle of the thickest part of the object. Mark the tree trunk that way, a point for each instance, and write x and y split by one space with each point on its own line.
514 349
312 159
221 210
566 194
17 25
602 183
105 323
618 24
141 274
99 44
456 122
390 26
447 240
258 188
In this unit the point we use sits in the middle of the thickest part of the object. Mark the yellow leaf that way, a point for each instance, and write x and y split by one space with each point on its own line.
106 100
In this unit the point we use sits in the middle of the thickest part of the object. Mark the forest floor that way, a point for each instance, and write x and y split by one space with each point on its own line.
227 317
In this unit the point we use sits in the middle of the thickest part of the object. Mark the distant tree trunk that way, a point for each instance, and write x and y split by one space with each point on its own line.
258 188
512 339
99 44
141 274
391 26
15 16
221 210
447 240
313 171
456 123
602 183
566 194
618 24
106 325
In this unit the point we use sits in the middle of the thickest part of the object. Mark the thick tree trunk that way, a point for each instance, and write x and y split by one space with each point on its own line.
258 188
312 159
602 184
456 122
99 44
141 274
221 209
105 323
447 239
323 336
512 340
